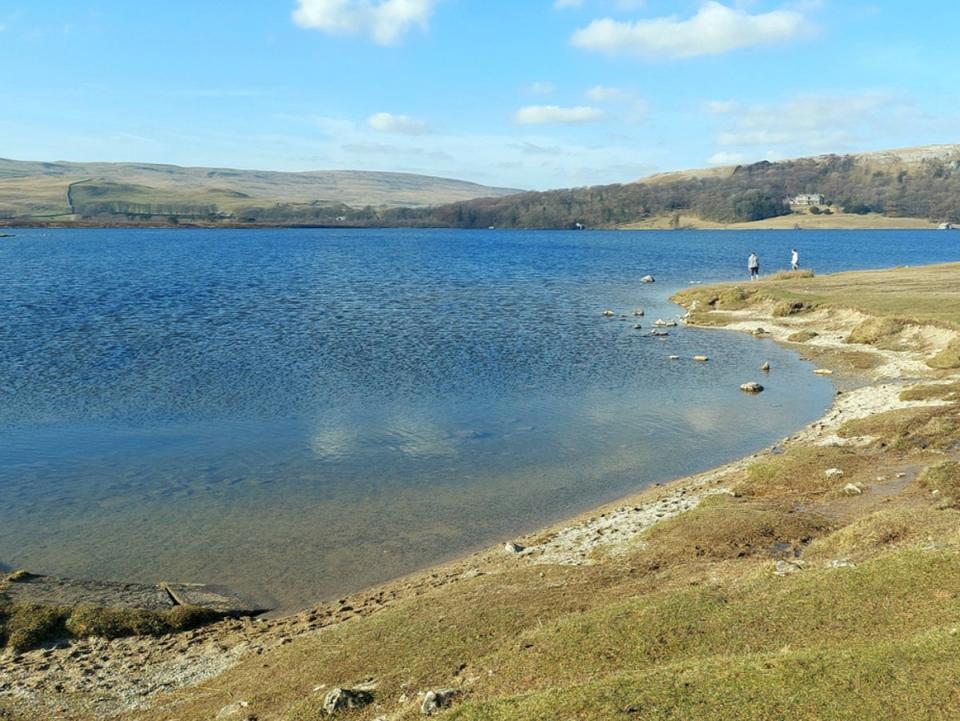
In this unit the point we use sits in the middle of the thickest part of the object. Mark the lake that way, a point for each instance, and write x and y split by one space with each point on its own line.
302 413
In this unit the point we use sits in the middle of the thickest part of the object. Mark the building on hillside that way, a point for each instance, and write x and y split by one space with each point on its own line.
806 200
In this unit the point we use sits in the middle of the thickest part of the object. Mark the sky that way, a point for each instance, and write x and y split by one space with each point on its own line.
517 93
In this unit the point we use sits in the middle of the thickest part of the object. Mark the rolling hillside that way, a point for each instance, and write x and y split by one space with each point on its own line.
65 191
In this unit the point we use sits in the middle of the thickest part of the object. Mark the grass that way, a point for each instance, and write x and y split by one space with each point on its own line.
24 626
910 429
943 480
879 332
800 473
934 391
802 336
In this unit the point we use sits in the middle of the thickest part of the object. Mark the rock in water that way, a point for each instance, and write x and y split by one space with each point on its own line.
638 313
823 372
701 358
437 700
608 313
648 279
340 699
751 387
765 367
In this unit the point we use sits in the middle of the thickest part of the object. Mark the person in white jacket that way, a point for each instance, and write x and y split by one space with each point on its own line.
753 265
794 260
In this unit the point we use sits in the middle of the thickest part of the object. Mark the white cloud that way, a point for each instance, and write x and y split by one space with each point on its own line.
605 94
820 122
390 123
385 21
542 88
714 30
542 114
725 158
721 107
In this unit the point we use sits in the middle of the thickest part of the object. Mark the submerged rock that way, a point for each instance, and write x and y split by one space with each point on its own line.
765 367
751 387
638 313
608 313
648 279
701 358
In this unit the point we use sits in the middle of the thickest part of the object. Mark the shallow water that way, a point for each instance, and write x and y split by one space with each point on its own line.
300 413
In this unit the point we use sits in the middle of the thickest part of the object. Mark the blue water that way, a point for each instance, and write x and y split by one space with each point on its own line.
299 413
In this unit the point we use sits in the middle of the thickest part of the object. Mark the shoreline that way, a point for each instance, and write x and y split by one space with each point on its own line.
581 540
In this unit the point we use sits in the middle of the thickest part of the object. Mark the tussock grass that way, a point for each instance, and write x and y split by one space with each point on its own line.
948 358
791 274
879 332
25 626
933 391
880 531
909 429
801 472
785 308
802 336
726 528
944 480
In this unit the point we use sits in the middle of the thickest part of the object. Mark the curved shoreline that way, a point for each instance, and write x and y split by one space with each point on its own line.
580 540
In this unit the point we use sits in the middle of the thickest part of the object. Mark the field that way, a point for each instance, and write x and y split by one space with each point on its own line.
805 221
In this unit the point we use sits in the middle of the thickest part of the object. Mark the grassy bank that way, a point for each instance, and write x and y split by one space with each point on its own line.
807 221
817 580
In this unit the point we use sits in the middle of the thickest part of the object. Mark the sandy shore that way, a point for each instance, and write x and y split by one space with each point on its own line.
97 679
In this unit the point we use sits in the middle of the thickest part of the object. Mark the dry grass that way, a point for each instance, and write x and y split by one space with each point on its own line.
802 336
934 391
801 473
943 481
910 429
725 528
880 332
948 358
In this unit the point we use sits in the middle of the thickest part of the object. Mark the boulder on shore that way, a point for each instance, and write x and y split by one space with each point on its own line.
341 699
437 700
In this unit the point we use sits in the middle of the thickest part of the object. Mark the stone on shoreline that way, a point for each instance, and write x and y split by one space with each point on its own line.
852 490
823 372
833 473
512 547
437 700
341 699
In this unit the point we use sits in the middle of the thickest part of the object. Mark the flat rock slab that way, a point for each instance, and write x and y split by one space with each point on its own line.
70 592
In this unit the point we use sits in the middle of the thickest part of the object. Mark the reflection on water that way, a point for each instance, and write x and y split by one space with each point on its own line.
301 413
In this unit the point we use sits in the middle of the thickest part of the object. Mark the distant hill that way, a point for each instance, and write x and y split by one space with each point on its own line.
920 183
74 191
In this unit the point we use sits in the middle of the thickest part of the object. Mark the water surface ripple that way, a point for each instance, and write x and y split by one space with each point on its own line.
298 413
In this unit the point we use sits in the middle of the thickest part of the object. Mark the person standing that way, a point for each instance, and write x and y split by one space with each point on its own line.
794 260
753 265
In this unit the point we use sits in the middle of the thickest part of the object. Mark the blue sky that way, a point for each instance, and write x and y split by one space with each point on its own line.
521 93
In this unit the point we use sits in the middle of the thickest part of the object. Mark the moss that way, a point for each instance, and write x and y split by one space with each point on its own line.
116 622
802 336
880 332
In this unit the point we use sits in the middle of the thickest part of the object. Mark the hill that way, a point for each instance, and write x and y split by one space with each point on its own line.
72 191
918 183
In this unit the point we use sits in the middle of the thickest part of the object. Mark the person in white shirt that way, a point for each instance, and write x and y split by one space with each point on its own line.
794 260
753 265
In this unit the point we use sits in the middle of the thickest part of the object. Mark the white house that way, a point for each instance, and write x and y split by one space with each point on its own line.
807 199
